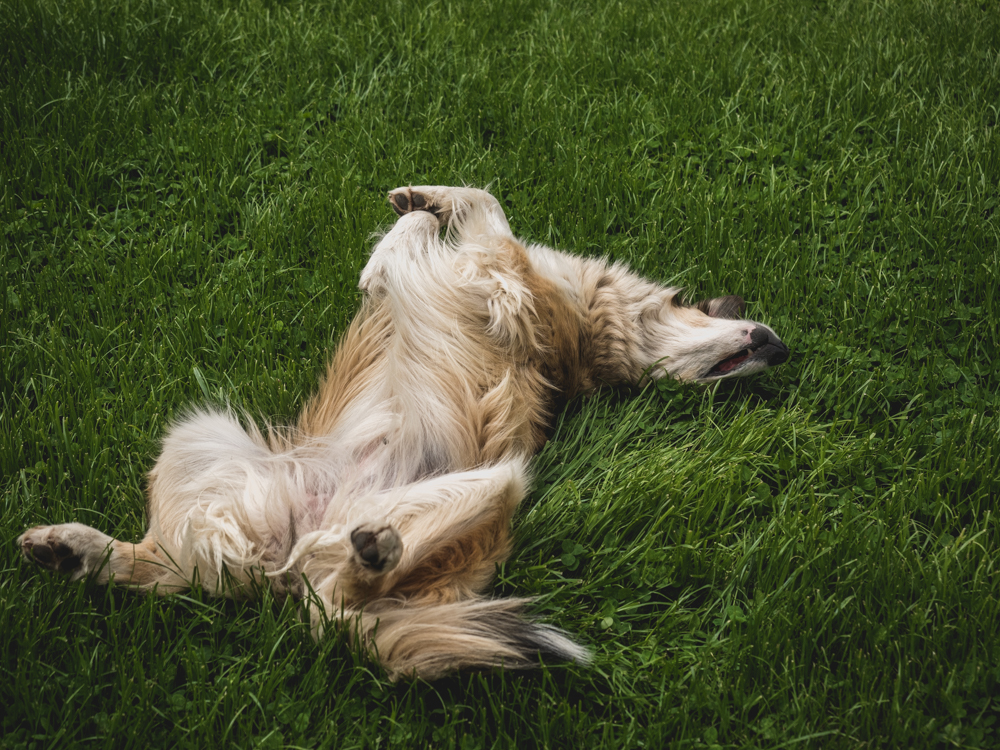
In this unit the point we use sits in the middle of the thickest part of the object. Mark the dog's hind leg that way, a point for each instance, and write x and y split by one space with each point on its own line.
220 513
80 551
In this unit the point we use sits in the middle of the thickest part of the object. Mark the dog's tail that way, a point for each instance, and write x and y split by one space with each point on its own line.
429 641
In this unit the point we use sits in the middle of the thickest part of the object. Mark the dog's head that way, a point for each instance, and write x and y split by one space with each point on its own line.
709 342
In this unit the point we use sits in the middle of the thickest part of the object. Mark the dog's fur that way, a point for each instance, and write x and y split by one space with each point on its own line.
389 504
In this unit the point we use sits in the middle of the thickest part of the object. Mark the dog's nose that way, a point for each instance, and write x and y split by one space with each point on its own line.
763 341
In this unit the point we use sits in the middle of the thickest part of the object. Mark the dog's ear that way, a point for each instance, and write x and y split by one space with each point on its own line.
722 307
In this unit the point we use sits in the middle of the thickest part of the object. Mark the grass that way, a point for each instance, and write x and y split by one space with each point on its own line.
188 190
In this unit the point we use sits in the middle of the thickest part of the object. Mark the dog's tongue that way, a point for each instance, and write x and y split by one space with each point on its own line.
732 362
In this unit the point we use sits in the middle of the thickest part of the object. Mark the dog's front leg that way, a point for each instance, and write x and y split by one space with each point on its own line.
455 529
409 239
470 212
439 540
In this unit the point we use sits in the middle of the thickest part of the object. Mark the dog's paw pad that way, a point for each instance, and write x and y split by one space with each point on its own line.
377 548
400 202
405 200
50 554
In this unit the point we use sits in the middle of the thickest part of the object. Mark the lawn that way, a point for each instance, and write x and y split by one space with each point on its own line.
809 558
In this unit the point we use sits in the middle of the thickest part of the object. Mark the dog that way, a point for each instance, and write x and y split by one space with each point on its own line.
388 505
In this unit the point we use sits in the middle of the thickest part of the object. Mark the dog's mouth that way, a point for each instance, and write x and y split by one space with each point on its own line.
729 364
751 359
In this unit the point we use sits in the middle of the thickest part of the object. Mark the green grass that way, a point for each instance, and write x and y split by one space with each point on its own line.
188 190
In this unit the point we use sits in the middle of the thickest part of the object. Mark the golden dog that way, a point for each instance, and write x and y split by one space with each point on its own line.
389 503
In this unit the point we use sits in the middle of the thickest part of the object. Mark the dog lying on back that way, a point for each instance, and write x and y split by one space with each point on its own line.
389 503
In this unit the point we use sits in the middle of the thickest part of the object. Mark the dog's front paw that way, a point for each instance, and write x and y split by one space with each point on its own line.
407 199
433 200
67 548
377 548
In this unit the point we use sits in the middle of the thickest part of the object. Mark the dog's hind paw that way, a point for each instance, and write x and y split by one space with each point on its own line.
377 548
67 548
